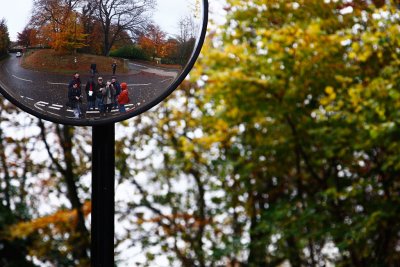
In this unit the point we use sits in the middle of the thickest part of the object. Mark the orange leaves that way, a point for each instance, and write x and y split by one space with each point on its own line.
70 34
154 43
63 30
58 222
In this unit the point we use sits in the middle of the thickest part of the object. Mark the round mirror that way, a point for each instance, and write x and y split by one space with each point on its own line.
91 62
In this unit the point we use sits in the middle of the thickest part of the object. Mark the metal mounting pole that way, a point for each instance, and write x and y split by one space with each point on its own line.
103 174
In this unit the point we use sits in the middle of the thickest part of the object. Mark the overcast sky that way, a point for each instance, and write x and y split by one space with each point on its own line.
167 14
17 14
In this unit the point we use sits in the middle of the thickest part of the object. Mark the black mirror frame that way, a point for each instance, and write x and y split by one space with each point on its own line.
128 115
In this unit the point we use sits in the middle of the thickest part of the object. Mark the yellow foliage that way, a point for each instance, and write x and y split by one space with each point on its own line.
352 55
343 79
355 96
331 96
380 111
314 29
355 46
329 90
365 55
221 135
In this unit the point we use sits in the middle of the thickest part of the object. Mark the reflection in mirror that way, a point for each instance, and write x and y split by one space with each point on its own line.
89 60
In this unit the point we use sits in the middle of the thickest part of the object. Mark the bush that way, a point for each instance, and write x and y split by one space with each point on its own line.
169 61
130 52
4 56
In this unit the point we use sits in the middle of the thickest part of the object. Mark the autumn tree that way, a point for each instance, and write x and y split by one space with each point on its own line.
59 21
152 41
17 167
117 16
71 37
294 83
178 50
61 236
4 38
24 38
171 47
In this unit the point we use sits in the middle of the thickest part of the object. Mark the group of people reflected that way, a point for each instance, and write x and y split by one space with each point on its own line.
100 95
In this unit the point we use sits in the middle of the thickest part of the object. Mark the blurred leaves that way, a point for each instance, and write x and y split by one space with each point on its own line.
282 146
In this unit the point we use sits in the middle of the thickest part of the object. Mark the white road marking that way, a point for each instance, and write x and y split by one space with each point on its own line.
42 103
54 114
56 108
139 84
38 107
56 105
26 97
57 83
166 80
22 79
138 65
156 70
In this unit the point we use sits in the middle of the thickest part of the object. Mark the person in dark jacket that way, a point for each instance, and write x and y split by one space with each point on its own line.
99 94
90 94
76 80
117 88
114 67
75 99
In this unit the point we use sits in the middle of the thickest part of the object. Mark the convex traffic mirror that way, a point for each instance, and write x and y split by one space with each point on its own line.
91 62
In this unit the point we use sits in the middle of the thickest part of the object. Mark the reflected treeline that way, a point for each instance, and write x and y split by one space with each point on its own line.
119 28
154 44
94 26
4 38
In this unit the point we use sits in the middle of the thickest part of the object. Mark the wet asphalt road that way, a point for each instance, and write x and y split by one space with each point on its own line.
47 92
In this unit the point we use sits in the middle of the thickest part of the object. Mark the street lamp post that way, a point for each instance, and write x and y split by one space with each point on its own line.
103 165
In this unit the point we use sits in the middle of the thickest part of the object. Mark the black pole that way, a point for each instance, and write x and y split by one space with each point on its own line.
103 173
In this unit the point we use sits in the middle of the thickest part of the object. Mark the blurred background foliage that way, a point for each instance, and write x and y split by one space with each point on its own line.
281 149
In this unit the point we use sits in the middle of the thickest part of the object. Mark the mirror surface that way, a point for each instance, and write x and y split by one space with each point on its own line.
88 62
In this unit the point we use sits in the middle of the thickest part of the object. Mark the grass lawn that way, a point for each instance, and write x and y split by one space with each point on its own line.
51 61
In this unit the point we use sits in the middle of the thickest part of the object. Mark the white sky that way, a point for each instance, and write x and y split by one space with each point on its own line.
167 14
17 14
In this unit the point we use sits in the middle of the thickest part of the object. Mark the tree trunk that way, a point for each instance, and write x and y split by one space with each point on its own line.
81 240
80 237
257 247
6 172
106 29
198 241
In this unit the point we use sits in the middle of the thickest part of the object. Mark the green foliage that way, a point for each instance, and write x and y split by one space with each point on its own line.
294 135
308 95
130 52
